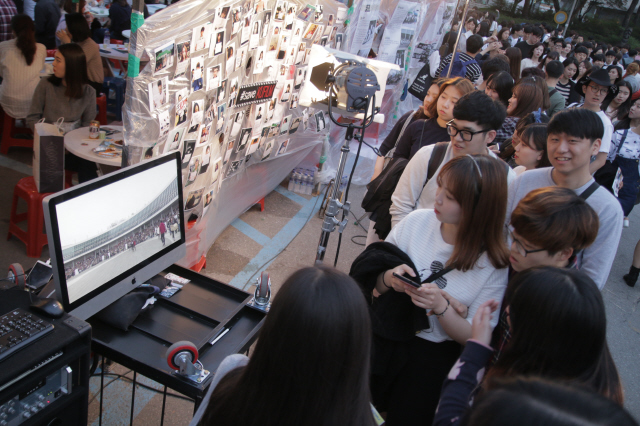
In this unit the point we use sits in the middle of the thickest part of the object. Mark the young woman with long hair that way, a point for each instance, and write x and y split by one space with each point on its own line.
422 113
557 324
499 87
531 152
78 31
66 94
310 365
584 69
566 84
515 61
467 251
529 94
504 33
21 61
535 57
617 107
615 74
428 129
507 149
551 56
421 133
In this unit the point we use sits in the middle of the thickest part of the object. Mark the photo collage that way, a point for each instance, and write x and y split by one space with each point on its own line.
196 79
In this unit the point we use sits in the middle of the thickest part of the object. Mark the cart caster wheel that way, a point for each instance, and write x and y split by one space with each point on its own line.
178 349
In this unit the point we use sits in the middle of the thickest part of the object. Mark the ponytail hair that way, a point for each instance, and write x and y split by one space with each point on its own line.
22 25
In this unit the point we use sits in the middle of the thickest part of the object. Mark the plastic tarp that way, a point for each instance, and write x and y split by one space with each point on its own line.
233 155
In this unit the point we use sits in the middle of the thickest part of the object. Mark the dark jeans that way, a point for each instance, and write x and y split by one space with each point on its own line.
86 169
630 183
407 378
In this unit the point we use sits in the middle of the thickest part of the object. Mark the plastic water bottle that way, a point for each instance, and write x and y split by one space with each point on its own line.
296 182
107 38
291 178
310 185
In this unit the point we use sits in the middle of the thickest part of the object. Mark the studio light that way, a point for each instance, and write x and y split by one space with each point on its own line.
351 78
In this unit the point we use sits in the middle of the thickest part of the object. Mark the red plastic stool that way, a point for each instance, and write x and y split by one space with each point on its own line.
200 265
101 103
9 129
261 202
116 41
33 237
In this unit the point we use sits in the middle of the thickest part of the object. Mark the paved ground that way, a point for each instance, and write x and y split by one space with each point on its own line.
280 240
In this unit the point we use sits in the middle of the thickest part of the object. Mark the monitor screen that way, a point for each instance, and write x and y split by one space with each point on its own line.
111 234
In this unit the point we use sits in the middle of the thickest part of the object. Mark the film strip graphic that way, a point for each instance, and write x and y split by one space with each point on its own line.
255 93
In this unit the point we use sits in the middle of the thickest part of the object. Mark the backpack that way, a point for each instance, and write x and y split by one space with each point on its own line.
377 200
459 67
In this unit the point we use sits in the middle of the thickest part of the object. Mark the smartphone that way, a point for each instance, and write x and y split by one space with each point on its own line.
40 275
407 280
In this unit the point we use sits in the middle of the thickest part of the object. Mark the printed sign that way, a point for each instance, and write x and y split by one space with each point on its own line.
255 93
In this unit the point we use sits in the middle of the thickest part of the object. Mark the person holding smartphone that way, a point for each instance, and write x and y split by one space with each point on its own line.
454 247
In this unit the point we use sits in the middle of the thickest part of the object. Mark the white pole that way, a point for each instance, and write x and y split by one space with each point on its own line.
566 28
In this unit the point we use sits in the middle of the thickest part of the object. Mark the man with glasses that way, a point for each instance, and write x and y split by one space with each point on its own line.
574 136
595 88
549 226
476 118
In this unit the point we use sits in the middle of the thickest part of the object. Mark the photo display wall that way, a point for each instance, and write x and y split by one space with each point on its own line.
222 86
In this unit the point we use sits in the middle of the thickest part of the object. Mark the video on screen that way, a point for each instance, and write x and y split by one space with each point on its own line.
108 231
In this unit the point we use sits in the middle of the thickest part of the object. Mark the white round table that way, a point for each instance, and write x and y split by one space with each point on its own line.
78 143
110 52
102 13
119 55
126 33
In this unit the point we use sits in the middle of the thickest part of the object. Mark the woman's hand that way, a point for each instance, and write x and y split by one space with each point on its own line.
480 327
459 307
428 296
396 283
64 36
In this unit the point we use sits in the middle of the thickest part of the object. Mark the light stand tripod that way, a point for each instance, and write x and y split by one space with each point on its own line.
360 85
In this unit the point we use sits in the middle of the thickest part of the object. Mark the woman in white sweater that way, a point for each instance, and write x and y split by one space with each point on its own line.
464 236
21 61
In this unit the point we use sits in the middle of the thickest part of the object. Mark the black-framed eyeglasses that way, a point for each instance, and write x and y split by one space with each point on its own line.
596 89
466 135
520 248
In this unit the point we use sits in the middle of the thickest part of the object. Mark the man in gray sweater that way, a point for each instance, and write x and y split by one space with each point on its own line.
574 136
476 118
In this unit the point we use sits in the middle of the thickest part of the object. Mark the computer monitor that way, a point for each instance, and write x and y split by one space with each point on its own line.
106 235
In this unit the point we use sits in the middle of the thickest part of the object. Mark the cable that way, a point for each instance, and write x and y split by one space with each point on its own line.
358 236
285 247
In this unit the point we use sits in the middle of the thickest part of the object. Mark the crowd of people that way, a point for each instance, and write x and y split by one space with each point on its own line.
28 29
495 220
157 227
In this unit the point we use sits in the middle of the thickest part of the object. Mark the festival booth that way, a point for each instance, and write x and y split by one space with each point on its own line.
223 86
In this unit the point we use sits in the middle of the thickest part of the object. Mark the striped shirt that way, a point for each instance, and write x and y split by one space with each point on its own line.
19 79
473 69
564 90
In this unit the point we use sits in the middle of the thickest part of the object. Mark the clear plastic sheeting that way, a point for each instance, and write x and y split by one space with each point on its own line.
202 58
432 21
